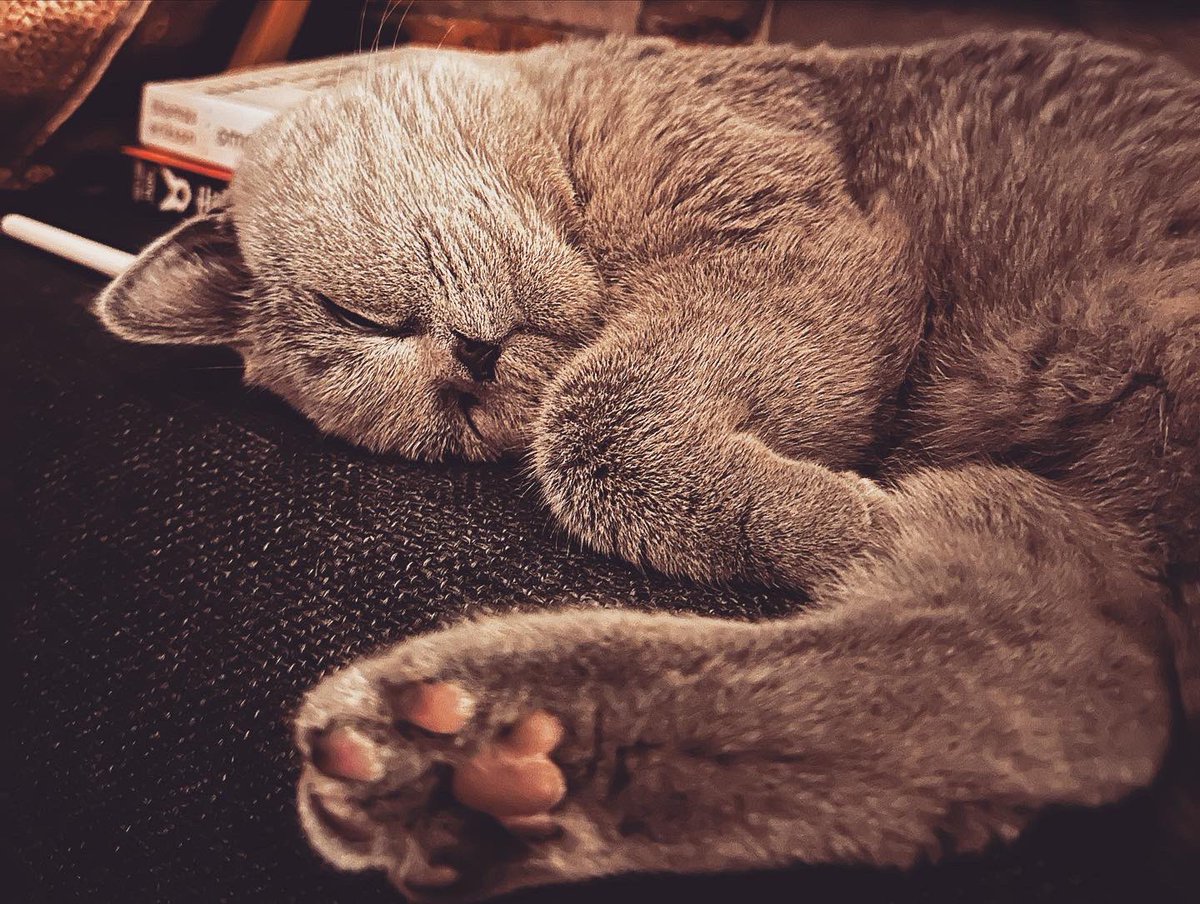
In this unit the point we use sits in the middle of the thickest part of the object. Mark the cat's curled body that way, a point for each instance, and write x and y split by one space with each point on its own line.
915 331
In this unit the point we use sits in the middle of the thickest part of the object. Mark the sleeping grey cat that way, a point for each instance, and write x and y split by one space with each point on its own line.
916 332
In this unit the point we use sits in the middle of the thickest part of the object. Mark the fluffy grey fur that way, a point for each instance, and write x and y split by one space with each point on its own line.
915 331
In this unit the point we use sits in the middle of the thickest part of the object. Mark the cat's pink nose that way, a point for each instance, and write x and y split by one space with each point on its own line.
477 356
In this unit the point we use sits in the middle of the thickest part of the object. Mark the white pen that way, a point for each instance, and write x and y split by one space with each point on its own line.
107 260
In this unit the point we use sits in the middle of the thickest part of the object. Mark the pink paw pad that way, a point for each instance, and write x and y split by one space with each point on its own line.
439 708
513 779
347 754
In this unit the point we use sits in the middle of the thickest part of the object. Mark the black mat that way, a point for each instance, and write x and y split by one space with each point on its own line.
190 556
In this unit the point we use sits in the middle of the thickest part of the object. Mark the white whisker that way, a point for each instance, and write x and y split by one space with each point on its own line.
400 25
362 23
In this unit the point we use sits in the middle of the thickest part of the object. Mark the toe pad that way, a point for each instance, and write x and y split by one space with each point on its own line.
515 777
440 708
345 753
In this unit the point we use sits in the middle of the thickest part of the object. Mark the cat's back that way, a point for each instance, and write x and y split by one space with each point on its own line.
674 149
1021 158
972 135
1053 186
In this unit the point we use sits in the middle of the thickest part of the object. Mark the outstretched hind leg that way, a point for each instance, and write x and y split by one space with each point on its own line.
996 655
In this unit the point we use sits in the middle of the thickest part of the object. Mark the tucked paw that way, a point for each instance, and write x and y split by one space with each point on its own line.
439 799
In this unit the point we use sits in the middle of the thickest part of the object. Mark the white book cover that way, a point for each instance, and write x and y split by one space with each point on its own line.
208 119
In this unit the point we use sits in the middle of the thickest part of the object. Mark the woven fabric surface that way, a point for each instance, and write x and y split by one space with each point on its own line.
52 54
191 555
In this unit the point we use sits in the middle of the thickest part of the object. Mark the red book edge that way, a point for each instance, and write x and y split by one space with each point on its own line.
184 163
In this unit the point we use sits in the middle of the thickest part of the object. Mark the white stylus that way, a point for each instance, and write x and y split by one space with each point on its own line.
110 261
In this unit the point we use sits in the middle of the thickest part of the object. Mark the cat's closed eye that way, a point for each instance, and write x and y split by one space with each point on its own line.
362 324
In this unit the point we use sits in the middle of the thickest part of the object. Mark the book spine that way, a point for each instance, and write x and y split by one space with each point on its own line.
205 128
173 190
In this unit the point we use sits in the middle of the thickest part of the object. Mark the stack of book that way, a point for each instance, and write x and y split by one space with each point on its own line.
191 132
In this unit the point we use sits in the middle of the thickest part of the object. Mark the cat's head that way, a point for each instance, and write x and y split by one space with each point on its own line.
398 258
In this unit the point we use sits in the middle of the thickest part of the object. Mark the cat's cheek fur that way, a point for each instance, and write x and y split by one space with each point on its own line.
385 402
402 396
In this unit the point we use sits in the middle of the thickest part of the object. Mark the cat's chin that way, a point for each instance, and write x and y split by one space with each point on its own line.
485 435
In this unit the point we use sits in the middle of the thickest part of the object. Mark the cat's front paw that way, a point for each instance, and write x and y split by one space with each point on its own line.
444 804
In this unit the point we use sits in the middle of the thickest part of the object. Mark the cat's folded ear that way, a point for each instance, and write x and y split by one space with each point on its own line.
189 286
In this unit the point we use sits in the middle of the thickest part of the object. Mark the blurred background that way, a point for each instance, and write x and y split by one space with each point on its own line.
72 71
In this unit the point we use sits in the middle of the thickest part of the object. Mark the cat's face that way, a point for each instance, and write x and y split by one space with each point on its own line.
399 260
